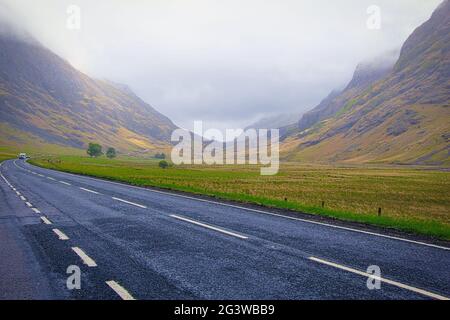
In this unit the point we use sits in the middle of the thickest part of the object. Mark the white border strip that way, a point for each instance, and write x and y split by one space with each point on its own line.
129 202
35 210
61 235
45 220
391 282
121 291
209 227
86 259
88 190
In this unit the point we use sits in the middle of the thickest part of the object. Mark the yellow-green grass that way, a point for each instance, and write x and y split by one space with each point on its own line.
411 199
6 154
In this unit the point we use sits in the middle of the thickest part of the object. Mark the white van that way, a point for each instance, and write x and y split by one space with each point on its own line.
22 156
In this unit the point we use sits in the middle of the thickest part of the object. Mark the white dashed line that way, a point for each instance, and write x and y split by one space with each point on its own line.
23 198
209 227
129 202
18 193
45 220
121 291
86 259
391 282
40 175
50 178
60 234
66 183
35 210
28 204
88 190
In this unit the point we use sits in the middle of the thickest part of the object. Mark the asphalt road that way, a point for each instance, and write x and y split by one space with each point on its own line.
138 243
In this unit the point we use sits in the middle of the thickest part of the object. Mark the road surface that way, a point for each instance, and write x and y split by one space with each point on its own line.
135 243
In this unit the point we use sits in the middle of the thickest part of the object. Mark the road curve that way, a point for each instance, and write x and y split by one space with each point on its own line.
135 243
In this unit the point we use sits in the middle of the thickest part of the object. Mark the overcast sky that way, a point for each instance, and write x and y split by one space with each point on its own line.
226 62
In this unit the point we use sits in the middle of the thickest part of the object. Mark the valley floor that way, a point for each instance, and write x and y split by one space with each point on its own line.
411 199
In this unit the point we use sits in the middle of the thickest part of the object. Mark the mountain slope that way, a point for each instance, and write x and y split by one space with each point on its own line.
43 99
402 118
366 74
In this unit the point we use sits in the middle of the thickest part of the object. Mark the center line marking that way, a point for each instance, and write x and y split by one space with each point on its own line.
45 220
88 190
66 183
35 210
18 193
40 175
28 204
86 259
50 178
129 202
23 198
391 282
209 227
60 234
121 291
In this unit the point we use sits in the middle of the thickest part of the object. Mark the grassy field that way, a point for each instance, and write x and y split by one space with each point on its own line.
415 200
5 155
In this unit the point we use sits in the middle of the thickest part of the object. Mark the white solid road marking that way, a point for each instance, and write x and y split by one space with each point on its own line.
60 234
35 210
28 204
268 213
391 282
86 259
45 220
129 202
121 291
23 198
209 226
88 190
66 183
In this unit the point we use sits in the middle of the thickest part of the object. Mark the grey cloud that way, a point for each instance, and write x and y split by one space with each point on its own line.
224 62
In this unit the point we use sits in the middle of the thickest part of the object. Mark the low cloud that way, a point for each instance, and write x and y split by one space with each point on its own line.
223 62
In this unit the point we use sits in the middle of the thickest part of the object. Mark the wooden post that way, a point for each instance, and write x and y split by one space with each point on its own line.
379 212
323 204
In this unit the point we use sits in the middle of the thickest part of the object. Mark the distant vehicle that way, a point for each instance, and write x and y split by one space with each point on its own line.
22 156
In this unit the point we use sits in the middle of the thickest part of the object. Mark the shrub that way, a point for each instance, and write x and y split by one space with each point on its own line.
94 150
163 164
111 153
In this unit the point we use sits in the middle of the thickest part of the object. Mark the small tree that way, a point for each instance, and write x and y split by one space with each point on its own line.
111 153
94 150
163 164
